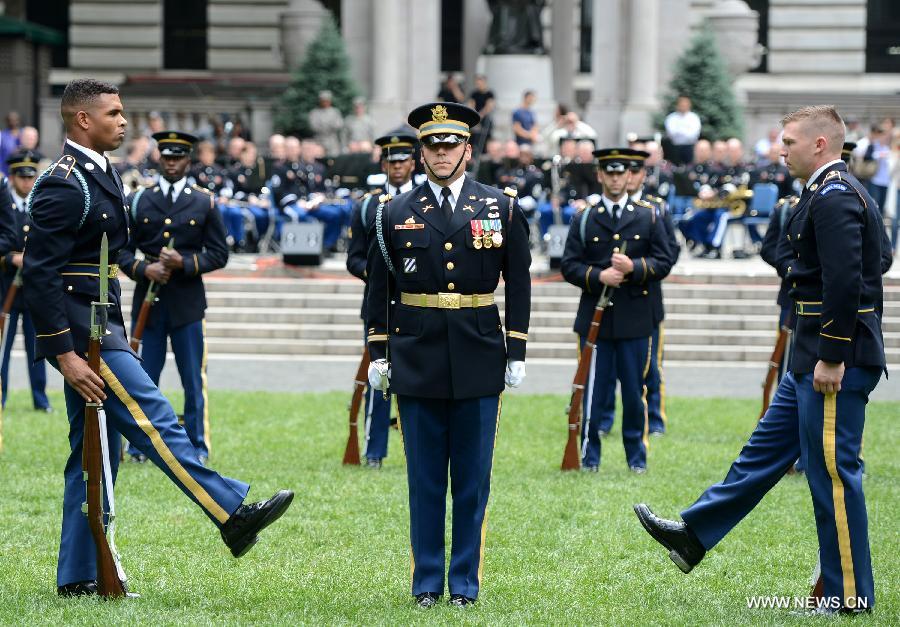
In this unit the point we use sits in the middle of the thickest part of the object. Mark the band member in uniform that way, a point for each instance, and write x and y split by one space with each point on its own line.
592 260
655 381
75 202
398 166
173 210
23 169
835 235
437 254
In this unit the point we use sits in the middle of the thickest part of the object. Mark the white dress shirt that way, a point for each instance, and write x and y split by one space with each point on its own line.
178 185
455 189
95 156
683 128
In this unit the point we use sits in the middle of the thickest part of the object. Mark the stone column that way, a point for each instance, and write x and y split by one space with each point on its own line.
562 50
299 26
388 71
476 24
605 106
643 74
357 31
423 55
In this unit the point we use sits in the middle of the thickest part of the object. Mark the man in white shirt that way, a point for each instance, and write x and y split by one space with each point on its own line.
683 130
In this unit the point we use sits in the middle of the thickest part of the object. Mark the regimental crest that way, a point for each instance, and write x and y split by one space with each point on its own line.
410 220
439 113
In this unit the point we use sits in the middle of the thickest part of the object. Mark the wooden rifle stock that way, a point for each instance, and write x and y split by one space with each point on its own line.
108 582
351 452
7 307
775 363
144 313
571 457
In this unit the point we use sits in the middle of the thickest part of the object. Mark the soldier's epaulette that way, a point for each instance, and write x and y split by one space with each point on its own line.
652 198
375 192
63 167
643 203
834 174
200 189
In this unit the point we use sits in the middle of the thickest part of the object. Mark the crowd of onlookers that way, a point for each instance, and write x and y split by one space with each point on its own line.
260 187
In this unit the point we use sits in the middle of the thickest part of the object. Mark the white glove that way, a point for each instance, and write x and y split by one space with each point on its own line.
515 373
379 374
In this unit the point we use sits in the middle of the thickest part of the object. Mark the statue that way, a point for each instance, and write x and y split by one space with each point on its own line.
515 27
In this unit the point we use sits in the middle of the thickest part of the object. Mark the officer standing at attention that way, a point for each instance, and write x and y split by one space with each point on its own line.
592 259
169 210
838 358
398 166
655 381
437 256
23 169
75 202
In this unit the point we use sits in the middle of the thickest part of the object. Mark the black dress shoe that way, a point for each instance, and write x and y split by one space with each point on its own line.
638 470
590 468
373 462
138 458
427 600
239 531
684 547
77 589
458 600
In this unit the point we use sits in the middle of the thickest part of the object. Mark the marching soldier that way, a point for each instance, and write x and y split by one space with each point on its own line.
398 165
437 255
592 260
23 169
838 358
173 210
654 382
75 202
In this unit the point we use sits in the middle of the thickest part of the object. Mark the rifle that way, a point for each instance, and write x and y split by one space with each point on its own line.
351 452
571 458
7 307
144 313
775 362
95 455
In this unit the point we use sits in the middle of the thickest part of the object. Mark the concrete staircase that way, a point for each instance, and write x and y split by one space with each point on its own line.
711 317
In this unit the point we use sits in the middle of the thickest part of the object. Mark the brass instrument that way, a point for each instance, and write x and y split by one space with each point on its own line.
734 199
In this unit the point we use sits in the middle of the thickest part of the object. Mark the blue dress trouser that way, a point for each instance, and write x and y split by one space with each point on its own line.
37 372
827 431
627 360
189 348
136 409
655 382
438 433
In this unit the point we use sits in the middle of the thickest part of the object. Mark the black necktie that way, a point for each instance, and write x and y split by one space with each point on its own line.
615 212
446 209
171 195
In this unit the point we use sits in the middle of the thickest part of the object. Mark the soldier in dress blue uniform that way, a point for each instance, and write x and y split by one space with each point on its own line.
174 209
437 257
655 381
592 259
398 166
835 235
76 201
23 169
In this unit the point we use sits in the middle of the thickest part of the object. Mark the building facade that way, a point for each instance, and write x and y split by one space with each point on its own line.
608 59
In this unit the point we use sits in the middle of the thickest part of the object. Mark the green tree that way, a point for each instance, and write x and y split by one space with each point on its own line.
700 74
326 66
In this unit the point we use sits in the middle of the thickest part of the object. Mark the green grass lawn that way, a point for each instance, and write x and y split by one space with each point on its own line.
561 548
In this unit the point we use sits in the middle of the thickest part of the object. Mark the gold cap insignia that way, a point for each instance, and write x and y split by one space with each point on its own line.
173 135
439 113
614 152
395 140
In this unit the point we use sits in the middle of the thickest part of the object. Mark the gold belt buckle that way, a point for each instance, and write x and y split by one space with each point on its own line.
113 271
448 301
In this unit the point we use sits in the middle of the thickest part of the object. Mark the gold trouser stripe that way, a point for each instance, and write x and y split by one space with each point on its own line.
662 377
645 438
485 519
837 495
204 387
161 447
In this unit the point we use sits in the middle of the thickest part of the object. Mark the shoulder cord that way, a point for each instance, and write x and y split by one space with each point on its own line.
84 188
